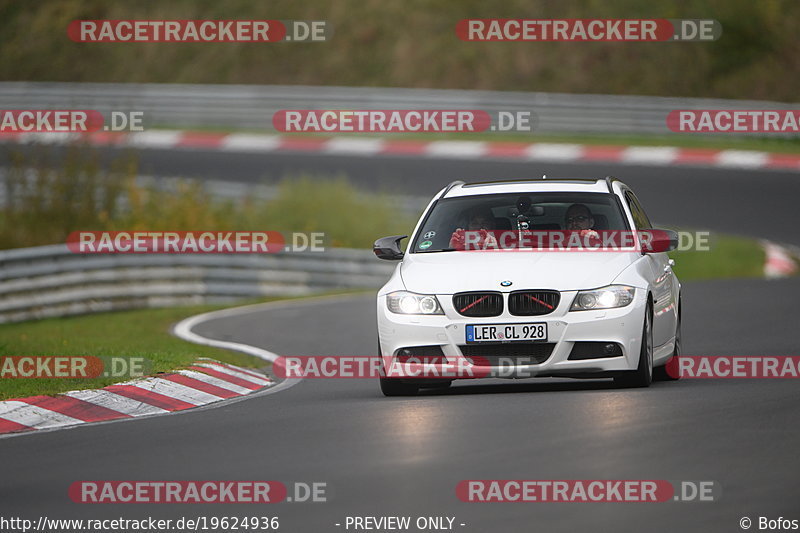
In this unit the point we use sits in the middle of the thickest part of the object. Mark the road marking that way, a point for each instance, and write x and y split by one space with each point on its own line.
215 382
742 159
346 145
34 416
74 408
110 400
658 155
237 378
467 150
555 152
457 149
177 390
240 142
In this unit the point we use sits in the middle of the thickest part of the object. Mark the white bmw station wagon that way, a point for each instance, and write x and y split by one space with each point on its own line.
537 278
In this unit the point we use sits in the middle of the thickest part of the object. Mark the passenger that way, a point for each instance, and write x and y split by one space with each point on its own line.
479 219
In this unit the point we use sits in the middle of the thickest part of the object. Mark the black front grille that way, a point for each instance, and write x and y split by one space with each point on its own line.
478 303
530 303
508 354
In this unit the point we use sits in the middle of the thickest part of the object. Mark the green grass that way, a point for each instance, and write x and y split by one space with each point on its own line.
729 257
141 333
125 334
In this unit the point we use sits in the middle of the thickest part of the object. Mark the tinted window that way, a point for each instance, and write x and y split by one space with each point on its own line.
540 211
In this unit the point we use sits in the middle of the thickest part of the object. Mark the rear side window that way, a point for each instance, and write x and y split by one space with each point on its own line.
639 216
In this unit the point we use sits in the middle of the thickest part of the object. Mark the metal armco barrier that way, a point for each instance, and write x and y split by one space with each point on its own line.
50 281
252 106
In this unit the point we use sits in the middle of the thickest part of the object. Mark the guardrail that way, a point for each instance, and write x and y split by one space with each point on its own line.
49 281
252 106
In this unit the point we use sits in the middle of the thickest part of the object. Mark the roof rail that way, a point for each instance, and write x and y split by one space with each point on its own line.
610 182
529 180
450 186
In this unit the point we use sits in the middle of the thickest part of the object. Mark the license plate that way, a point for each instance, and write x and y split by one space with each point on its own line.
506 332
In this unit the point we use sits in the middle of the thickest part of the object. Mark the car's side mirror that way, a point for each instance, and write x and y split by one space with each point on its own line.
658 240
389 247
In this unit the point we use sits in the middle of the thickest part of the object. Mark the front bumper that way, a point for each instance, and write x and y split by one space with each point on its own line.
622 326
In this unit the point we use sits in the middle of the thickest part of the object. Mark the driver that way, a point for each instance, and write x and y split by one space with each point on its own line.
579 218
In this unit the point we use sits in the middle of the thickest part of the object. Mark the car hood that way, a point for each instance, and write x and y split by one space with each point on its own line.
451 272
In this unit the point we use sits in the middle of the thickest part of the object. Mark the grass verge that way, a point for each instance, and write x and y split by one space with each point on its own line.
729 257
125 334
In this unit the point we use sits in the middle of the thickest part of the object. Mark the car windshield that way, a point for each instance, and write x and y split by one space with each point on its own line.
517 211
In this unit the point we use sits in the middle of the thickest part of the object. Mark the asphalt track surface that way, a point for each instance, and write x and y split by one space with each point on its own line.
404 456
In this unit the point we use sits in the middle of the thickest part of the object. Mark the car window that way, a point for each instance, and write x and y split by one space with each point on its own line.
639 216
540 211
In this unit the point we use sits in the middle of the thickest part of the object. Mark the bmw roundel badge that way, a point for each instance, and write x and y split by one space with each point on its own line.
505 283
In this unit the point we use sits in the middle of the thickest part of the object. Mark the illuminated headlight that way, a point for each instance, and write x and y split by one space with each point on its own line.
603 298
408 303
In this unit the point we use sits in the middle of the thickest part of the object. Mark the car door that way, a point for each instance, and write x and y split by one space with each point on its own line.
664 299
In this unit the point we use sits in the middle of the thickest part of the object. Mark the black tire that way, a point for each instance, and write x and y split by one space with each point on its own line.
660 373
643 375
394 386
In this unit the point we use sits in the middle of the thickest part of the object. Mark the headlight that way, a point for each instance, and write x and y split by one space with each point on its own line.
603 298
408 303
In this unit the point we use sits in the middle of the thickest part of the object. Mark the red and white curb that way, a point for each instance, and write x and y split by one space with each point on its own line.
207 383
203 383
354 146
779 262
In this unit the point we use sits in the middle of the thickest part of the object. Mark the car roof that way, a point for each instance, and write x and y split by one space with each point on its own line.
459 188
